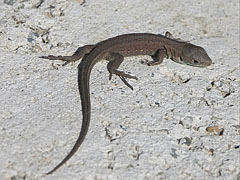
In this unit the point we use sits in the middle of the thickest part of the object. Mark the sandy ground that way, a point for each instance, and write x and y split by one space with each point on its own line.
179 122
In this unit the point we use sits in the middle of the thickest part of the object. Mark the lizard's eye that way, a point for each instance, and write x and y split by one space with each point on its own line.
195 61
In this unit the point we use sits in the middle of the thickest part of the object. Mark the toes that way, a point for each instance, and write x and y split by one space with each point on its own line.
51 57
110 76
125 82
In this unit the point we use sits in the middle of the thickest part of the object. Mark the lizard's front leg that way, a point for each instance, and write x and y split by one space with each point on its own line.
115 60
79 53
157 57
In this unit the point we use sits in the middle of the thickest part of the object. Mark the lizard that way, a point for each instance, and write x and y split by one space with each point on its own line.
114 50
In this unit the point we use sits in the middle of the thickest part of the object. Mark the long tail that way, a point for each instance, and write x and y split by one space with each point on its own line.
83 85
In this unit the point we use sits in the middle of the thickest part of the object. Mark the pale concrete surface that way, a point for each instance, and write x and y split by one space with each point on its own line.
158 131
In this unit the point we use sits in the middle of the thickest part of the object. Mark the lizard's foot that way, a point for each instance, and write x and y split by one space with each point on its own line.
149 63
67 59
125 82
51 57
123 77
157 58
79 53
62 58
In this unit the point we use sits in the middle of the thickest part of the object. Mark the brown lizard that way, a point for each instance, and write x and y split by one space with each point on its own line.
114 50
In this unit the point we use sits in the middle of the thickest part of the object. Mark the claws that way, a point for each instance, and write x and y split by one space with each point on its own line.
148 63
123 77
110 76
62 58
51 57
152 63
67 59
125 82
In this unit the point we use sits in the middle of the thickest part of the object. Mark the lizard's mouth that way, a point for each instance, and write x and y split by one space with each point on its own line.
193 62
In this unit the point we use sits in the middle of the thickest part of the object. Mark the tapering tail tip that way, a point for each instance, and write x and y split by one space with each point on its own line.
53 170
50 172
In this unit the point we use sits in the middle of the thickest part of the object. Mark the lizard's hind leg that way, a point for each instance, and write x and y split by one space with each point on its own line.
79 53
115 60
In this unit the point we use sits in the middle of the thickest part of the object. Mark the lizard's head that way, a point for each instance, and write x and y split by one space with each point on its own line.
194 56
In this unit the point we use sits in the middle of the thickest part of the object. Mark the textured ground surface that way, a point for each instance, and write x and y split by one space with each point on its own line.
158 131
